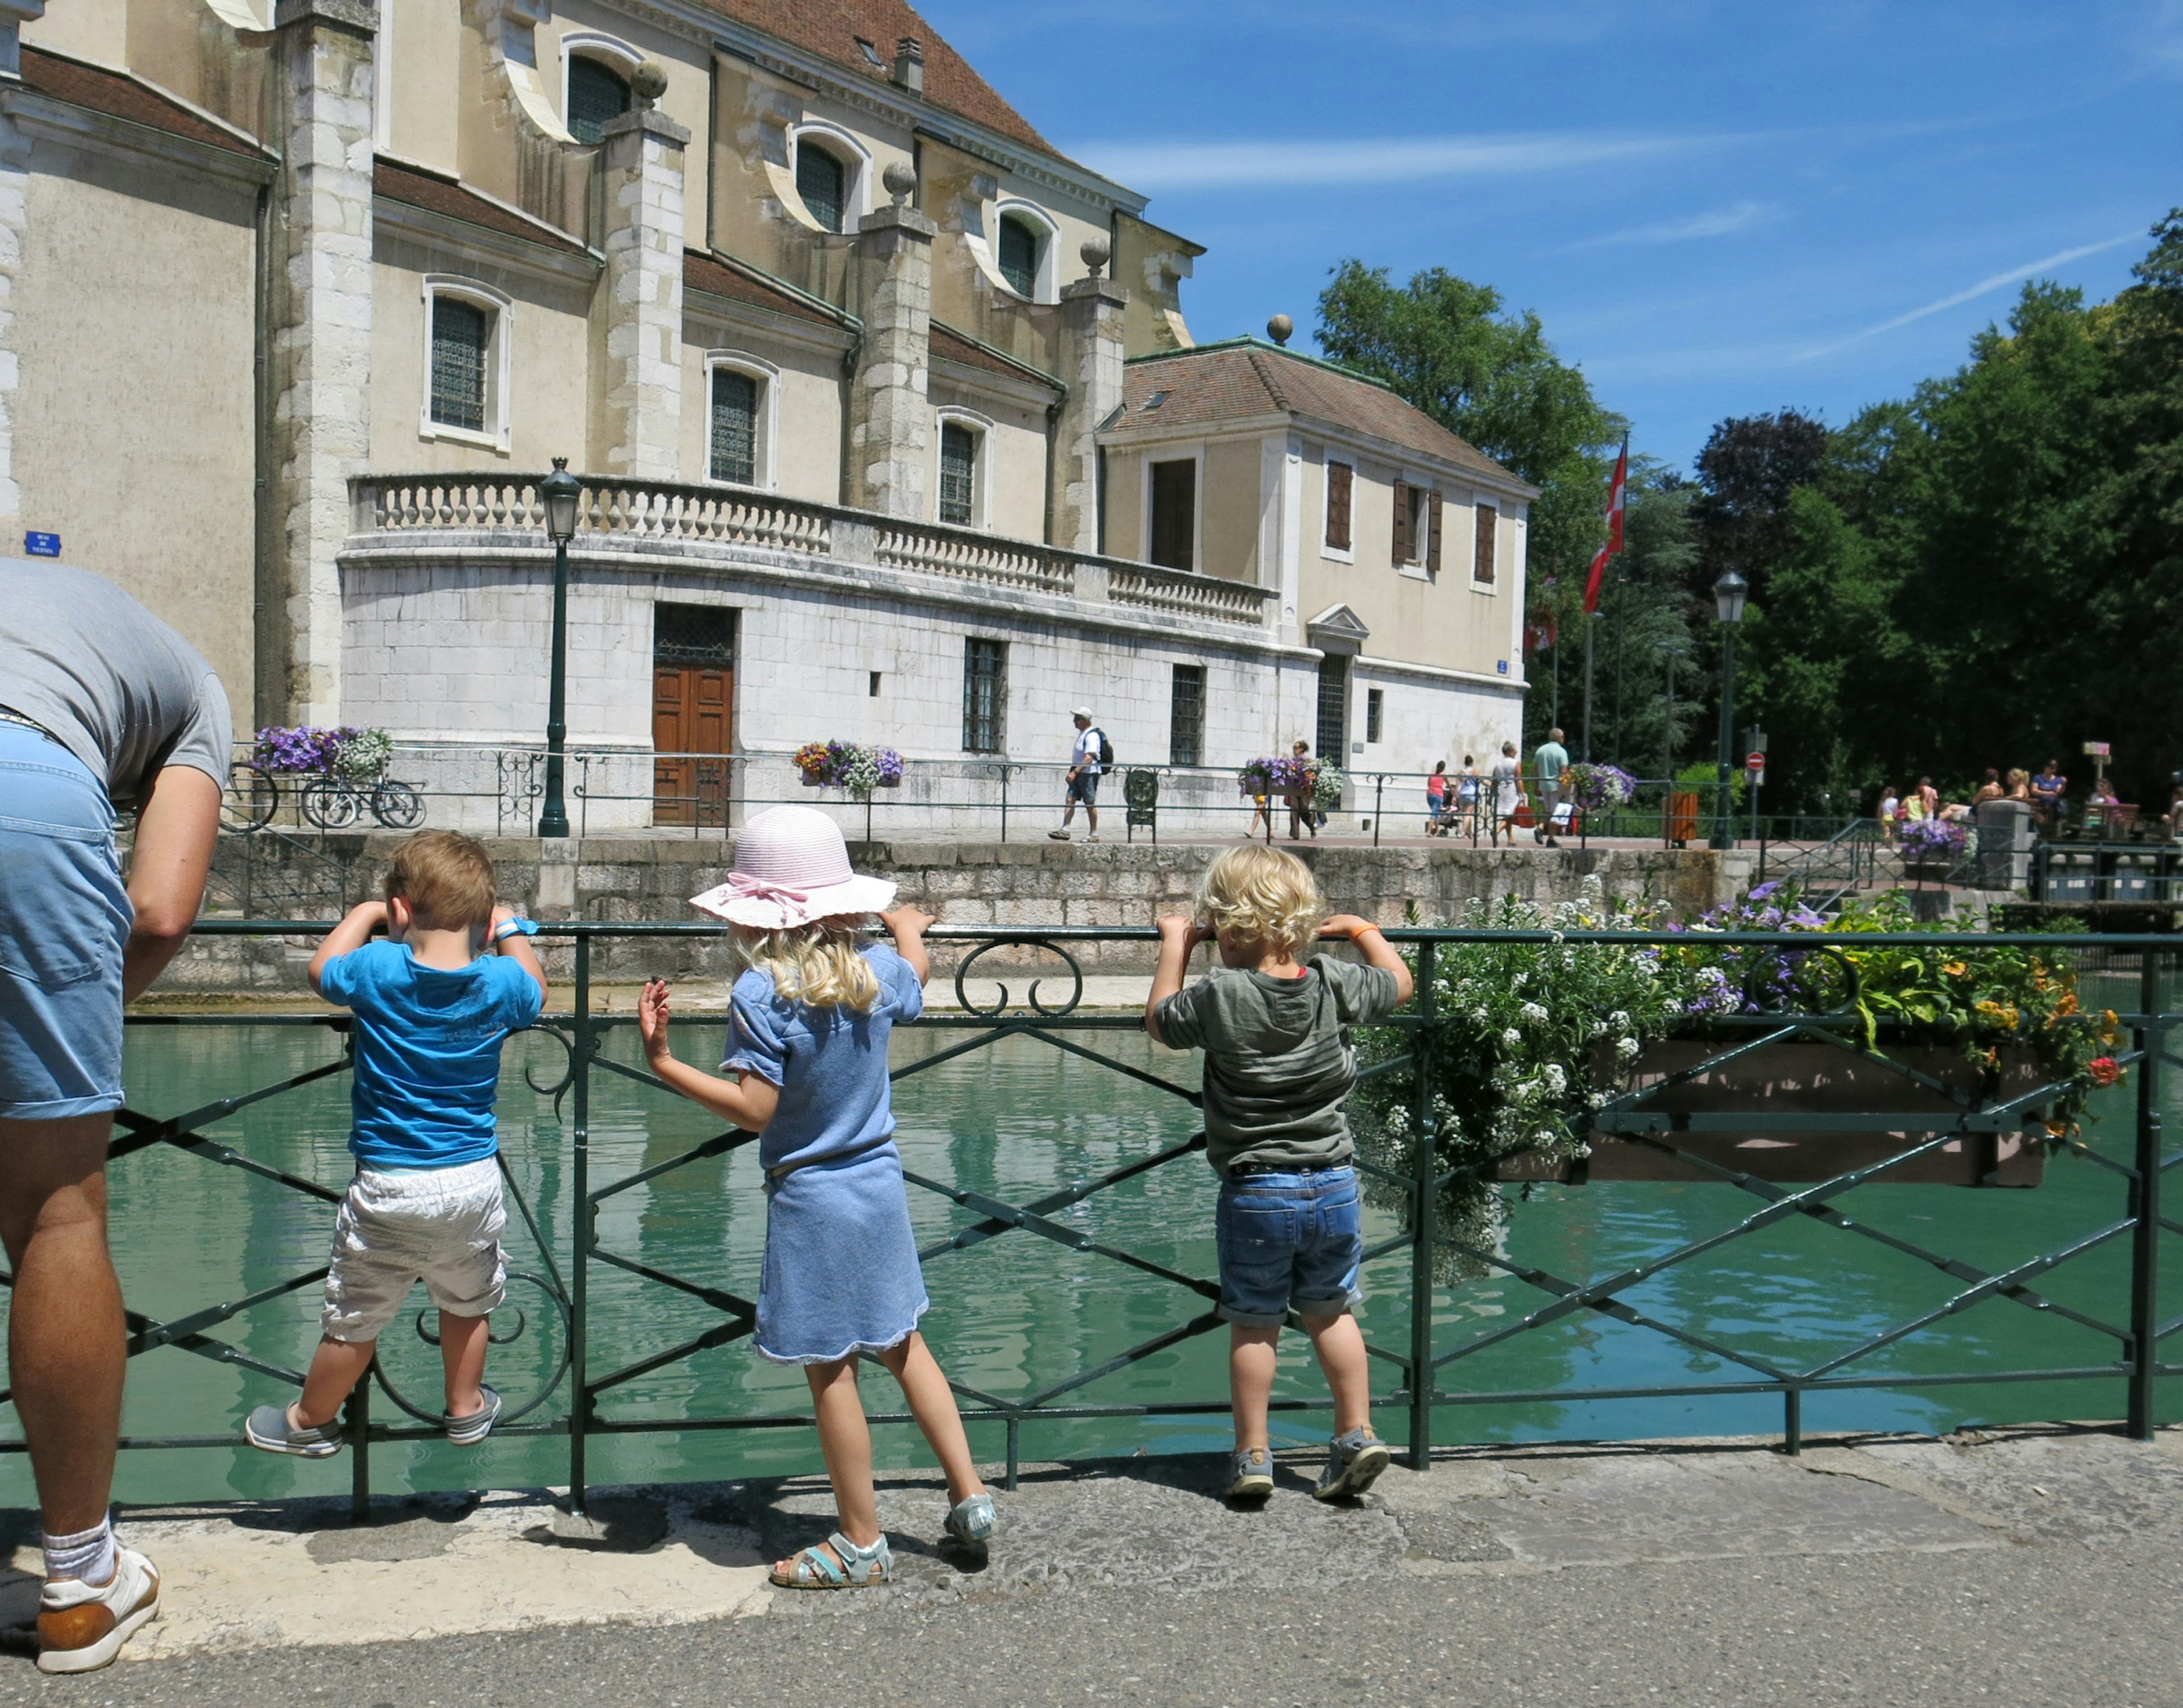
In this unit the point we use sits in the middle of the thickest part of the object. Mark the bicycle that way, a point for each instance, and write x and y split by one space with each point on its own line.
332 802
252 797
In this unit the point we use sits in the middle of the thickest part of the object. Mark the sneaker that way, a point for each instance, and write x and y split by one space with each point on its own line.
467 1432
1353 1463
1093 837
268 1427
81 1626
1058 836
1250 1474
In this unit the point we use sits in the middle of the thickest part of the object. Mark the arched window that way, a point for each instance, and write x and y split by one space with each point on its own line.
466 362
960 444
1019 256
597 93
822 181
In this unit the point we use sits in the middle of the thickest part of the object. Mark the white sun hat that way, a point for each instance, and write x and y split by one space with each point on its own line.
791 867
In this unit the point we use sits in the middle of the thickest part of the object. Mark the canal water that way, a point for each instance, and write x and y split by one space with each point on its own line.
1020 1313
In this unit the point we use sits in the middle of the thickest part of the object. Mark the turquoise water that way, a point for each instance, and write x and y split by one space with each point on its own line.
1019 1312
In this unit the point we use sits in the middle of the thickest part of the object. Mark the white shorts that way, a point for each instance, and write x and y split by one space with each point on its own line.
440 1226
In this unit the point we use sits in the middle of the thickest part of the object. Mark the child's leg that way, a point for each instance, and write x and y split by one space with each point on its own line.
1251 1358
846 1440
462 1356
932 1403
1340 1344
336 1369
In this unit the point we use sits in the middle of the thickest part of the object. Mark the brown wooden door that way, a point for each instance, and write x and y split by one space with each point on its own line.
692 709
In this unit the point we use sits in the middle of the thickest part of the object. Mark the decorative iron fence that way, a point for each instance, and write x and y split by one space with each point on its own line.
591 1368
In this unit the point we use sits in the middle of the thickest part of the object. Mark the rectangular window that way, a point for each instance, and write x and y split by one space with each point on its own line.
462 332
1185 716
1333 709
1375 701
735 427
1174 514
1340 478
958 475
985 694
1481 564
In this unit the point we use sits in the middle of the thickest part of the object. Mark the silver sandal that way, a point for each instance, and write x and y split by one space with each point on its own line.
971 1521
856 1568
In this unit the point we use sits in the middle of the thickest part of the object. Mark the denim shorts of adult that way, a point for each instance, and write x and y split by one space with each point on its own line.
1084 786
1289 1241
64 918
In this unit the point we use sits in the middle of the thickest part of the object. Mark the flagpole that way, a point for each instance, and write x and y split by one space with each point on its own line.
1591 622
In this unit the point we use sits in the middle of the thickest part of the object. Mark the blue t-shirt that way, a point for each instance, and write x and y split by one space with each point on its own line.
427 1051
830 1064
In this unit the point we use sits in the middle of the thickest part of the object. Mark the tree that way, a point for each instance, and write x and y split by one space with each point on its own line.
1750 467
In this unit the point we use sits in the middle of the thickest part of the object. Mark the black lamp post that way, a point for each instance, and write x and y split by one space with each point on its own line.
1728 594
560 490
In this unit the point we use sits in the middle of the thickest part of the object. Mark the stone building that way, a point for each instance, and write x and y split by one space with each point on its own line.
890 424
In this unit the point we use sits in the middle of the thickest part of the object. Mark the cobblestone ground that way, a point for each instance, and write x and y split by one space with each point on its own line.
2028 1567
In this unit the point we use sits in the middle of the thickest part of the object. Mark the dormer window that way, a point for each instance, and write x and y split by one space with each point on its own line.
871 53
1154 401
597 93
822 181
1019 255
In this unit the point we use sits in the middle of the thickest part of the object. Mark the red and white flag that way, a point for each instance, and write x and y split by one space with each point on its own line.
1615 489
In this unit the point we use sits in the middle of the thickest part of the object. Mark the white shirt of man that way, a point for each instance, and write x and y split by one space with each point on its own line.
1085 754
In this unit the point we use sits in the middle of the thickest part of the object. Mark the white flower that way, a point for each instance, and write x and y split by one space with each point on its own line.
1534 1014
1625 1047
1556 1080
1597 1100
1512 1037
1620 1020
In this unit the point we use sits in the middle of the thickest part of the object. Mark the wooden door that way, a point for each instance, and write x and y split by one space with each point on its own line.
692 712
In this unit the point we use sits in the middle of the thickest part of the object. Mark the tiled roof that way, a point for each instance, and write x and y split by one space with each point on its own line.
719 275
1242 379
436 193
120 96
830 29
950 345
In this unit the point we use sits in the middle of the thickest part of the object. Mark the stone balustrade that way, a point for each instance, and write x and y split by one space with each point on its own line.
614 508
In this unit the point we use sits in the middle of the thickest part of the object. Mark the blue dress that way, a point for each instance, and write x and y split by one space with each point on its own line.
841 1273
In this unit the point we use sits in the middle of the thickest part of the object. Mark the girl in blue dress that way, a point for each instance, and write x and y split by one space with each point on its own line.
808 1045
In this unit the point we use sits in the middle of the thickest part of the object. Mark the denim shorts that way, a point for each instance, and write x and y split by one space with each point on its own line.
1289 1239
1084 786
63 920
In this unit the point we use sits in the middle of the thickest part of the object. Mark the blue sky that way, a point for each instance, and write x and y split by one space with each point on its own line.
1716 209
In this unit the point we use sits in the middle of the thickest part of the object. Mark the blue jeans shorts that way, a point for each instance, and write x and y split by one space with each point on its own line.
1084 787
1289 1239
63 920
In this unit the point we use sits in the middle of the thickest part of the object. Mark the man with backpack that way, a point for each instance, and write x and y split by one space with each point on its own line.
1088 755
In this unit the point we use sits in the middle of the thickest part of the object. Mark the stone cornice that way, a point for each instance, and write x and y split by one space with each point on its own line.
766 323
64 122
1030 394
359 16
1510 685
500 247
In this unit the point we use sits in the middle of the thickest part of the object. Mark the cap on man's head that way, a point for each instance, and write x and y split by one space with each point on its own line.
1083 712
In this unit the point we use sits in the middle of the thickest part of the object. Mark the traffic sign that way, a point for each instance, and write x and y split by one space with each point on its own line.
1756 761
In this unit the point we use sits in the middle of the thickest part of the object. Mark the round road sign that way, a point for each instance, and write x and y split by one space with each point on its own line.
1756 761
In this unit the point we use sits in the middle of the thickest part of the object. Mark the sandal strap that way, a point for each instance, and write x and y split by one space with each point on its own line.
862 1562
813 1564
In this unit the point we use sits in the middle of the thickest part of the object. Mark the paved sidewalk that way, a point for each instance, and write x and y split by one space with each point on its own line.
2026 1566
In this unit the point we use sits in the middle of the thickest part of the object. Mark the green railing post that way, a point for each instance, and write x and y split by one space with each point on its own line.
360 1446
579 1398
1425 1167
2145 1207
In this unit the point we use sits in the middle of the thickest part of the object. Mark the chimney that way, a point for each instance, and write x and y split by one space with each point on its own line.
909 64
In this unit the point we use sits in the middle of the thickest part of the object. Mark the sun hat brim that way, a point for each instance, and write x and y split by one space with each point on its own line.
859 894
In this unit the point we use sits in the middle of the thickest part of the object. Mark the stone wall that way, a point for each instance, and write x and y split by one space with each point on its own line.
1032 885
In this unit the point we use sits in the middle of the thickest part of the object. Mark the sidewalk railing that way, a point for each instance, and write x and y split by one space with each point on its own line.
1716 1316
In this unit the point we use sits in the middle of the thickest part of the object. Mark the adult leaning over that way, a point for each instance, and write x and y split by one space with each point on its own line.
103 708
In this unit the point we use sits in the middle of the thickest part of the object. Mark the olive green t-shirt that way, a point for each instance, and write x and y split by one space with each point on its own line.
1278 1063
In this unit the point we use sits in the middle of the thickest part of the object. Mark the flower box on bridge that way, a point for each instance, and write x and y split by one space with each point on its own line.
1805 1111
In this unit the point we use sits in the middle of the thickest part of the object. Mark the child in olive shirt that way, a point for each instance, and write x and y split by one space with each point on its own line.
1278 1066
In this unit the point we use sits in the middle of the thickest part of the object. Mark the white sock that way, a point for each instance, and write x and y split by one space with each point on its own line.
88 1554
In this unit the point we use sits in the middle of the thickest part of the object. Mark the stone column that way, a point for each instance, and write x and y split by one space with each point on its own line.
15 225
319 345
641 168
891 415
1091 367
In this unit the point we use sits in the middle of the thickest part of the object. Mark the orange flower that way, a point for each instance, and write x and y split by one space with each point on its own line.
2103 1070
2110 1028
2067 1004
1955 970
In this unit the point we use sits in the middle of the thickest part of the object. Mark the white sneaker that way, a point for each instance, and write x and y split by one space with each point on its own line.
1058 836
81 1626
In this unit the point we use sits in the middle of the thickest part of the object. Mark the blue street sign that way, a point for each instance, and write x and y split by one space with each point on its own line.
1501 665
42 544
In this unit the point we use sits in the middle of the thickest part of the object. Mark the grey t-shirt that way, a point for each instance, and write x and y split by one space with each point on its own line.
1278 1062
113 683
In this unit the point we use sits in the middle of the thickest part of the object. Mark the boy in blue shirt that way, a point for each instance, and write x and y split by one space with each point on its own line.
432 1009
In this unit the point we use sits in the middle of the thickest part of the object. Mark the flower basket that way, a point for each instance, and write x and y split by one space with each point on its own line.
310 750
845 765
1598 788
1276 774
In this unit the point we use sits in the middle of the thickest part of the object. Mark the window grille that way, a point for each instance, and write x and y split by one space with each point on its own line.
985 694
1174 514
1186 720
1333 709
1376 702
822 183
958 475
596 94
1481 568
1019 256
703 636
735 427
461 331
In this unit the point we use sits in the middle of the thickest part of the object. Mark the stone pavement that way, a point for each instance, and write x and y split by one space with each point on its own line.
2024 1566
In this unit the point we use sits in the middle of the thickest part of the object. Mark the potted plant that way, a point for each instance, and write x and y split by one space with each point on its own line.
847 765
1931 846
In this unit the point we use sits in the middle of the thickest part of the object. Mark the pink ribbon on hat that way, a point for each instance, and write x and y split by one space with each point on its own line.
742 887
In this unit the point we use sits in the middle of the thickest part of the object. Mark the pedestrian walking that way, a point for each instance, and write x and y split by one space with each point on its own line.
1469 786
812 1012
1891 806
1551 760
1299 797
1089 755
1436 800
103 708
1507 784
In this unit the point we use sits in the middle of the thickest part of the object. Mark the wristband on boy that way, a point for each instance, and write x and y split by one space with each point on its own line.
509 927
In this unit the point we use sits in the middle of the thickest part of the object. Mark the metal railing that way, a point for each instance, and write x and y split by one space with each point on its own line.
595 1365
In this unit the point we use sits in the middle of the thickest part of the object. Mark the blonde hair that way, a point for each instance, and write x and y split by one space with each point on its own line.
1263 895
446 877
817 964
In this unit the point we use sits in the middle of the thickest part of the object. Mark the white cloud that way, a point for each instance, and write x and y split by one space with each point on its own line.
1994 283
1280 164
1717 224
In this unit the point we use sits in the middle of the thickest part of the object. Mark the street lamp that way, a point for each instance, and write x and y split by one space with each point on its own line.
1728 594
560 490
